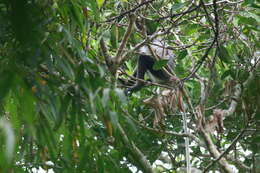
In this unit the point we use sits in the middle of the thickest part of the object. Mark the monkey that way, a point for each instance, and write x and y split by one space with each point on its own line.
145 64
147 57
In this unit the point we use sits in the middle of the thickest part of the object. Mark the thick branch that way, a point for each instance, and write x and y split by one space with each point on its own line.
136 152
233 143
114 62
215 153
118 57
104 51
238 90
212 148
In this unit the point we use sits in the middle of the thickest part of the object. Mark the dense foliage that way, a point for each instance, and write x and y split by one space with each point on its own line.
62 107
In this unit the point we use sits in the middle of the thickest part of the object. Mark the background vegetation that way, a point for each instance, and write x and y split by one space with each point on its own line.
63 109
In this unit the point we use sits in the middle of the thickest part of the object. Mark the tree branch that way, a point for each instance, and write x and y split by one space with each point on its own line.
189 135
233 143
118 57
215 153
238 90
129 11
135 151
114 62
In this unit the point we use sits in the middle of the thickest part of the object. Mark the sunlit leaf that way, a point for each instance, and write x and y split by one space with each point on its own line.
7 130
113 118
100 3
121 95
105 98
177 6
191 28
11 107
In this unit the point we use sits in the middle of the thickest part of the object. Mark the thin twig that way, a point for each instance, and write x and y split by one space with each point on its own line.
129 11
200 62
178 14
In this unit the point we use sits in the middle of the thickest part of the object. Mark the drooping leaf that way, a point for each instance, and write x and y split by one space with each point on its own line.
5 127
224 55
11 107
77 14
114 36
5 83
247 20
113 118
65 105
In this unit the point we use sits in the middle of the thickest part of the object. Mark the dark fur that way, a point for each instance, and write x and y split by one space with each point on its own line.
144 64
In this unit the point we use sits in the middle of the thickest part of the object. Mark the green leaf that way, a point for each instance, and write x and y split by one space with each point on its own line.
179 69
121 95
160 64
114 118
105 98
249 1
247 21
178 6
100 3
191 28
11 107
182 54
65 104
114 36
27 105
129 66
226 74
224 55
66 68
77 15
249 14
255 143
5 127
5 83
233 73
93 11
256 6
151 26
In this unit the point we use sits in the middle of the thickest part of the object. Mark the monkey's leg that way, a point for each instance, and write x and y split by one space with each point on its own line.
143 64
159 74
